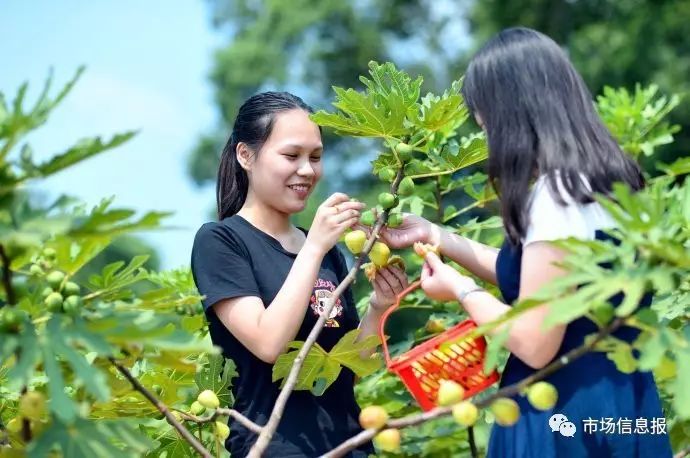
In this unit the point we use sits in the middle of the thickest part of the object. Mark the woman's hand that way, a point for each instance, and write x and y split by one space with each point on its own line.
442 282
412 229
388 283
333 217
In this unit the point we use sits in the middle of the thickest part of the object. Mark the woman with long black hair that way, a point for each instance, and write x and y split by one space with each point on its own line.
549 152
266 281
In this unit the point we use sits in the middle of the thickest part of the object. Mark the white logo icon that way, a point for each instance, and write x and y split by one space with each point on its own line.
559 423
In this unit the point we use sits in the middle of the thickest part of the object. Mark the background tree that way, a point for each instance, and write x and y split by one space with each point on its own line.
613 43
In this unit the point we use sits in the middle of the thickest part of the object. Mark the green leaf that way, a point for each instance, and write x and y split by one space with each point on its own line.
381 111
494 349
89 439
216 375
623 357
60 403
84 149
347 353
681 394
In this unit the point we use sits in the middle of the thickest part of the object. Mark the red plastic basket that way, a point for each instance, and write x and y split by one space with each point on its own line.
424 366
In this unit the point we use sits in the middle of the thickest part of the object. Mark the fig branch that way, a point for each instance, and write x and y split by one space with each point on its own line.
162 408
277 413
412 420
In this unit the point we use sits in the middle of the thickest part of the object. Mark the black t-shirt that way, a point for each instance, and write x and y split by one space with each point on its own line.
232 258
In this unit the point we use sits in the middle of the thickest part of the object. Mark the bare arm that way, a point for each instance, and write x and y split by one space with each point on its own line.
266 330
526 340
476 257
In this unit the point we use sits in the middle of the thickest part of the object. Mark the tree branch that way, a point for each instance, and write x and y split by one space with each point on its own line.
7 277
277 413
162 408
511 390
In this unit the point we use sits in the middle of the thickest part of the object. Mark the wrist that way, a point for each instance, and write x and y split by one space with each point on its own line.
461 293
312 249
433 236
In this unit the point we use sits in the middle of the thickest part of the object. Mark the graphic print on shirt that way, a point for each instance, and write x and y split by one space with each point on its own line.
323 290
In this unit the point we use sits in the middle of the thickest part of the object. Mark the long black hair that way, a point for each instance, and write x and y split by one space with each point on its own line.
253 126
540 119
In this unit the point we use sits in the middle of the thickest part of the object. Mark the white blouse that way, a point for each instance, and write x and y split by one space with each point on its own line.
548 220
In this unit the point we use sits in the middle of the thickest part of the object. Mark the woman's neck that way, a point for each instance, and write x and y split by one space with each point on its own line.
270 221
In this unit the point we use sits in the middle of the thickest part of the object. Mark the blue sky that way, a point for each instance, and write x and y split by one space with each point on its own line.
147 65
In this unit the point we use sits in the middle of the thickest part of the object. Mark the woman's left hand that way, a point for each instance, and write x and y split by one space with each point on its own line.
388 283
442 282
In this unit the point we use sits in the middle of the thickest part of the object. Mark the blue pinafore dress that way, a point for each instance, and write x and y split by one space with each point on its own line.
611 414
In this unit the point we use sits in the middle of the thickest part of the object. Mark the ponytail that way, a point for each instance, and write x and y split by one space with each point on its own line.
232 184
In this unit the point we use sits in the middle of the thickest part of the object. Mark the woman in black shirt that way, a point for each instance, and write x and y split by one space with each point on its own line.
265 280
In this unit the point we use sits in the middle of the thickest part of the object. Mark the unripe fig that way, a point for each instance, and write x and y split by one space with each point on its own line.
55 278
404 151
355 241
373 417
542 395
54 302
367 218
449 392
35 269
394 220
406 187
603 313
196 408
465 413
208 399
387 174
71 288
72 304
387 200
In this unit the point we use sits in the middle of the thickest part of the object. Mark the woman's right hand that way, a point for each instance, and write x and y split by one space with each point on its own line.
412 229
333 217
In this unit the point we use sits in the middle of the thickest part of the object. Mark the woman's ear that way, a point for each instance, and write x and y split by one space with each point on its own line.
244 156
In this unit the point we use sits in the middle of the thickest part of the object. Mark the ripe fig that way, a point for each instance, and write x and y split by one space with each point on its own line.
506 411
449 392
465 413
388 440
373 417
542 395
379 254
355 241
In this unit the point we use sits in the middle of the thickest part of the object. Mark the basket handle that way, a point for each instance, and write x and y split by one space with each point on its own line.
390 310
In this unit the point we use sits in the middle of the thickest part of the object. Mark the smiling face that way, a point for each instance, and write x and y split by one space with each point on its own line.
284 173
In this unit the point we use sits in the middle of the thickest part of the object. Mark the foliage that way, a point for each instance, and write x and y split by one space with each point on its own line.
62 322
653 227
